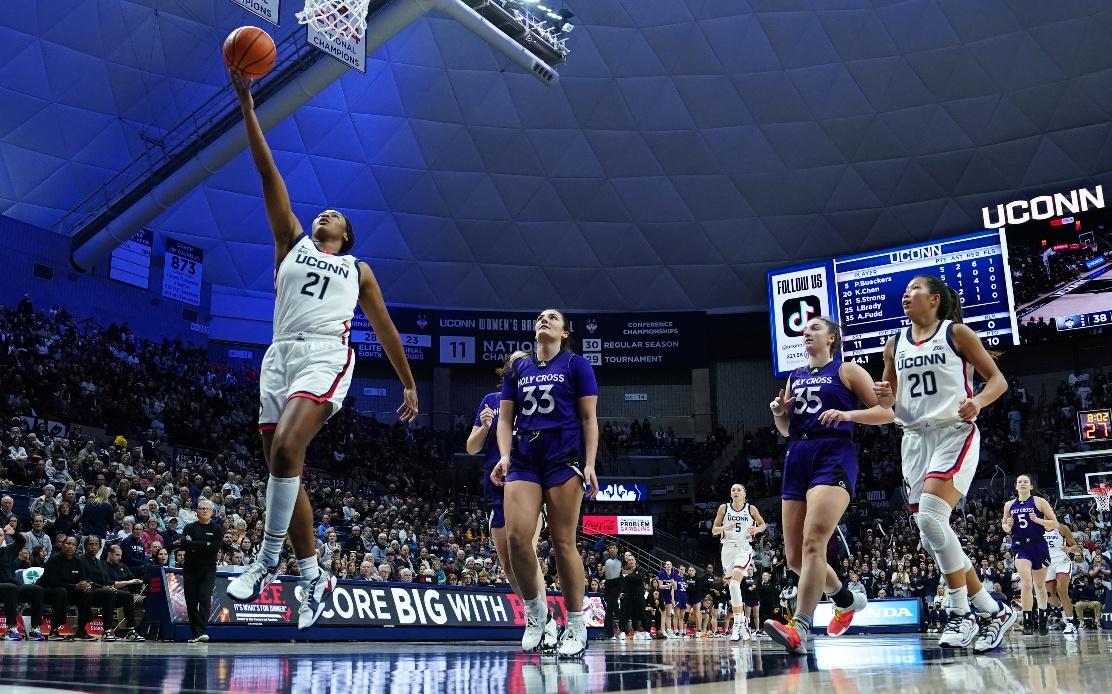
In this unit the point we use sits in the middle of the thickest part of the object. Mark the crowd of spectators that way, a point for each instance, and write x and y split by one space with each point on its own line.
183 429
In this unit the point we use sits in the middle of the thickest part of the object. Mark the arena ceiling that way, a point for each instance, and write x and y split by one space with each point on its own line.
690 146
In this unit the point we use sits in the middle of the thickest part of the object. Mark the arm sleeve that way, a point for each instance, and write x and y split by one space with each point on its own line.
584 377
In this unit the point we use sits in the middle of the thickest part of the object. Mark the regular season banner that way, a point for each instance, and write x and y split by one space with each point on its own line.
182 271
372 604
644 339
131 260
797 295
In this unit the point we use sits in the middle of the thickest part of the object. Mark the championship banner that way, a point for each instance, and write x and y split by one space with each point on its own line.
265 9
131 260
182 271
488 338
617 525
368 605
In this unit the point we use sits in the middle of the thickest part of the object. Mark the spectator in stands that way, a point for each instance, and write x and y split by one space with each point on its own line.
109 592
46 507
7 510
13 593
66 584
37 536
135 554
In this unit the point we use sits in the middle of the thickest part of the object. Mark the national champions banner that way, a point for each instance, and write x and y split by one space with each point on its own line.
371 605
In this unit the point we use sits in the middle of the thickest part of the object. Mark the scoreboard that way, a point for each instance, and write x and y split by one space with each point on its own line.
1093 425
864 294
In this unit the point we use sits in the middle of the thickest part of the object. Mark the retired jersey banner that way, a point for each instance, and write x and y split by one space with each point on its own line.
369 604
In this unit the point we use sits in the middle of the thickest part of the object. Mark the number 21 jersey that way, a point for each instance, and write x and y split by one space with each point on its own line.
316 292
932 378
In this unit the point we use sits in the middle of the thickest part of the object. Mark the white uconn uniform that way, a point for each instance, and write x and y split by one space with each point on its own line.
309 357
737 553
1060 562
933 378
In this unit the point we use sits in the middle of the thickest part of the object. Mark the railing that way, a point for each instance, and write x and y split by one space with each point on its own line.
684 547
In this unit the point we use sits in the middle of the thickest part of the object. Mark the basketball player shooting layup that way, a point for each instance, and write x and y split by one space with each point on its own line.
307 369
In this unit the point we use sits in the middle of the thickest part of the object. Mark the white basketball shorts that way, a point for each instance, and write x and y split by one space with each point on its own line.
946 452
736 557
1059 565
317 369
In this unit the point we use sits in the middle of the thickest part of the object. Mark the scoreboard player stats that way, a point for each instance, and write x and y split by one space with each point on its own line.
864 294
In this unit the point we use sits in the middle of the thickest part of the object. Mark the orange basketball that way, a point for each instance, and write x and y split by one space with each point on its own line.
249 51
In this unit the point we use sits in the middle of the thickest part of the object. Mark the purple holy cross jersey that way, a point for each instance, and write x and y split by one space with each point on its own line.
817 390
1024 527
547 397
548 446
490 447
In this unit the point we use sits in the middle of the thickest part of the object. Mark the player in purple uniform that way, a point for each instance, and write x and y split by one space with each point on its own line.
668 599
816 411
480 440
552 393
1027 518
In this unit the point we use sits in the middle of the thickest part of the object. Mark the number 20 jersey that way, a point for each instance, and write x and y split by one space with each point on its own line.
932 378
316 292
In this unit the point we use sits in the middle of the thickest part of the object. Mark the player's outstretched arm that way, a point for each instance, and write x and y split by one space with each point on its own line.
861 385
374 307
279 212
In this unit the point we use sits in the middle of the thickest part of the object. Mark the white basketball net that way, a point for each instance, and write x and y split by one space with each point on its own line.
1101 495
345 18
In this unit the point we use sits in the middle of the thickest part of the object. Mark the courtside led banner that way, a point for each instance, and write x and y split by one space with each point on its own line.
617 525
895 616
370 604
623 492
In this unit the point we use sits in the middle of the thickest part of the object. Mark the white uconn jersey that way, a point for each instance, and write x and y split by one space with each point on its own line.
1056 543
317 292
736 525
932 379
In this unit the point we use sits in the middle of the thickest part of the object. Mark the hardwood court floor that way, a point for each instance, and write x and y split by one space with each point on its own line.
853 664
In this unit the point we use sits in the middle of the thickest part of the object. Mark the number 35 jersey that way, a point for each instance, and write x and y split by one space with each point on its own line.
316 292
932 379
815 391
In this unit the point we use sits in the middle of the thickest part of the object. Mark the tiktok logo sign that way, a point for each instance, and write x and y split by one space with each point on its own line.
797 311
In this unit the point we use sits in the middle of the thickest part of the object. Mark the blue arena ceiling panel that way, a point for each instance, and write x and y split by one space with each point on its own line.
690 146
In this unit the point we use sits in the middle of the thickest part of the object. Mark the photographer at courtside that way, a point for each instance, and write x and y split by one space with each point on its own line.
201 541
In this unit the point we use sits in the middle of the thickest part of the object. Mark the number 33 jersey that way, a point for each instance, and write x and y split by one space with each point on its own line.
932 378
316 292
546 394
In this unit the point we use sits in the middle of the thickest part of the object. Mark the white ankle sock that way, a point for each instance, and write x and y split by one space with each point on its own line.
308 568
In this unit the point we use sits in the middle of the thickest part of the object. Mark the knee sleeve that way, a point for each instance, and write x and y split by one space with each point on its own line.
735 594
937 535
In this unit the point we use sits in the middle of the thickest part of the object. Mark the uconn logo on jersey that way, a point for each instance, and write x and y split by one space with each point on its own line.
342 268
905 362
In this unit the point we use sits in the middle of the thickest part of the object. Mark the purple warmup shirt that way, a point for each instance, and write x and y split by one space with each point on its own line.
490 446
815 391
547 398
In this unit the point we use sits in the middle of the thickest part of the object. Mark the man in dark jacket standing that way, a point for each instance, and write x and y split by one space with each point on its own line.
633 600
201 541
66 584
11 593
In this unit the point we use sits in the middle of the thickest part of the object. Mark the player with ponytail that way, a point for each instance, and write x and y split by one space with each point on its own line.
927 370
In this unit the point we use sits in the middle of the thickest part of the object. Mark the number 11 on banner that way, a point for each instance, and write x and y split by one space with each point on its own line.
456 349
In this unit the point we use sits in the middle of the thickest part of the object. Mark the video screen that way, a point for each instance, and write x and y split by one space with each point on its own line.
1062 275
